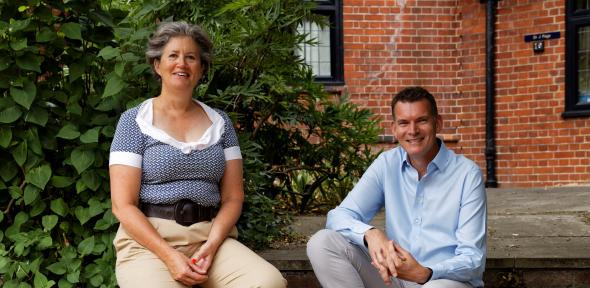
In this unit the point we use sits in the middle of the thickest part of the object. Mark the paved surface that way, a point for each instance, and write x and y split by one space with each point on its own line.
527 228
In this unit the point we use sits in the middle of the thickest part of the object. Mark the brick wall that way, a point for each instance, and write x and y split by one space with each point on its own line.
440 45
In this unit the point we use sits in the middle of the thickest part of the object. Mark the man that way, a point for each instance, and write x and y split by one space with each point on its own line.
435 212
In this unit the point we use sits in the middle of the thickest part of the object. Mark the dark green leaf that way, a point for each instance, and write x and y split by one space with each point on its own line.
86 246
38 116
108 220
40 280
80 186
59 207
68 131
20 153
72 30
30 62
57 268
44 243
5 136
104 17
10 114
73 277
39 176
109 52
81 214
38 208
5 62
49 221
15 192
94 207
24 96
76 70
19 25
46 35
114 85
18 44
90 136
61 181
96 280
91 180
1 218
82 159
31 194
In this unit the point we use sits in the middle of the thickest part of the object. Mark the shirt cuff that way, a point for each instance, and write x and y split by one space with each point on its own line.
438 271
358 233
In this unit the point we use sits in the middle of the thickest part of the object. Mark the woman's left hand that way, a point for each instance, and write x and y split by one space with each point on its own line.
204 257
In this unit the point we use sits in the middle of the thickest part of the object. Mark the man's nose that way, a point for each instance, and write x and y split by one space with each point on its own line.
413 128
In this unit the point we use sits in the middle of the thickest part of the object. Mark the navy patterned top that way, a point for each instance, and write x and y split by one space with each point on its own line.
174 170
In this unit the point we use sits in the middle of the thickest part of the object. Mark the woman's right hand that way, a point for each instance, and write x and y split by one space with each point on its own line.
183 270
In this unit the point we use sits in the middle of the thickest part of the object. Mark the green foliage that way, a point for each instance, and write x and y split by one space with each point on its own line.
68 69
56 220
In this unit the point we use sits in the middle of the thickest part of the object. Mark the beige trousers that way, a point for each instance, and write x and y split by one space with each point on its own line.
234 265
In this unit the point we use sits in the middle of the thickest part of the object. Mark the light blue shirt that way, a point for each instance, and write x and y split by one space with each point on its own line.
440 219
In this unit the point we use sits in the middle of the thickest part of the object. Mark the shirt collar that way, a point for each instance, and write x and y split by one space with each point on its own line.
440 161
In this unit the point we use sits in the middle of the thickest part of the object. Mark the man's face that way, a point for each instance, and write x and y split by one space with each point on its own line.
415 129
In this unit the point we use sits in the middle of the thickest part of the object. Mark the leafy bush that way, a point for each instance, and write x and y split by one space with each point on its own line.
67 71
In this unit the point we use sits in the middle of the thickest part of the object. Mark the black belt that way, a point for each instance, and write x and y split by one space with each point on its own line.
185 212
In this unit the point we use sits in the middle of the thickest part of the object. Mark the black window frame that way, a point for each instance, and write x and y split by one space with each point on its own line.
574 21
333 9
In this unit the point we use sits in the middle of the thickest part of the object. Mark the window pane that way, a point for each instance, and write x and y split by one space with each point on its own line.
584 65
581 5
317 56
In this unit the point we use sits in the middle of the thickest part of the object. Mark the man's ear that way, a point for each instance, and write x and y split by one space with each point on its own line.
439 123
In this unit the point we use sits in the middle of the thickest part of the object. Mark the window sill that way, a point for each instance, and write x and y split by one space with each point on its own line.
575 113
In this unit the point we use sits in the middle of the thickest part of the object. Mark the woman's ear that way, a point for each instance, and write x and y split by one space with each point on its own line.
157 66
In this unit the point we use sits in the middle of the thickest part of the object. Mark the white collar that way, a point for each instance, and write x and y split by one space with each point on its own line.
145 117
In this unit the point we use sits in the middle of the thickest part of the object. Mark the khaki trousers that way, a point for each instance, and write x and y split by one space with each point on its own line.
234 265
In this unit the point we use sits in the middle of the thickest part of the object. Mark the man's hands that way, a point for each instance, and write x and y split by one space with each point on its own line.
390 259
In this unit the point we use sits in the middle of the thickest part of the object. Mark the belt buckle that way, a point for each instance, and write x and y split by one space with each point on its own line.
184 212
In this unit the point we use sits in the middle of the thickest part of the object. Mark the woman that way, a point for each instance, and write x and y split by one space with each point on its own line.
176 180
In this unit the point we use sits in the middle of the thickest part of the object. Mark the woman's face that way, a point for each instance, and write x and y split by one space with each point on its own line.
180 65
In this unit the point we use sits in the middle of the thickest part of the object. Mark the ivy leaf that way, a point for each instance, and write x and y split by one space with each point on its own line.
90 136
72 30
5 137
81 214
38 116
94 207
57 268
109 52
20 153
86 246
61 181
24 96
114 85
5 62
18 44
91 180
31 194
107 221
39 176
30 62
10 114
49 221
41 281
76 70
46 35
19 25
68 131
38 208
82 159
44 243
59 206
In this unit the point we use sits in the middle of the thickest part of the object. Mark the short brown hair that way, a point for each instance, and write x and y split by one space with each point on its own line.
168 30
414 94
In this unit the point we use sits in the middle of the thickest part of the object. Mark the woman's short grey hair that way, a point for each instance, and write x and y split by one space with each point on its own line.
168 30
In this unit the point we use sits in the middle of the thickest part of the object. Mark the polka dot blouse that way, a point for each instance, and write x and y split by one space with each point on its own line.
174 170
